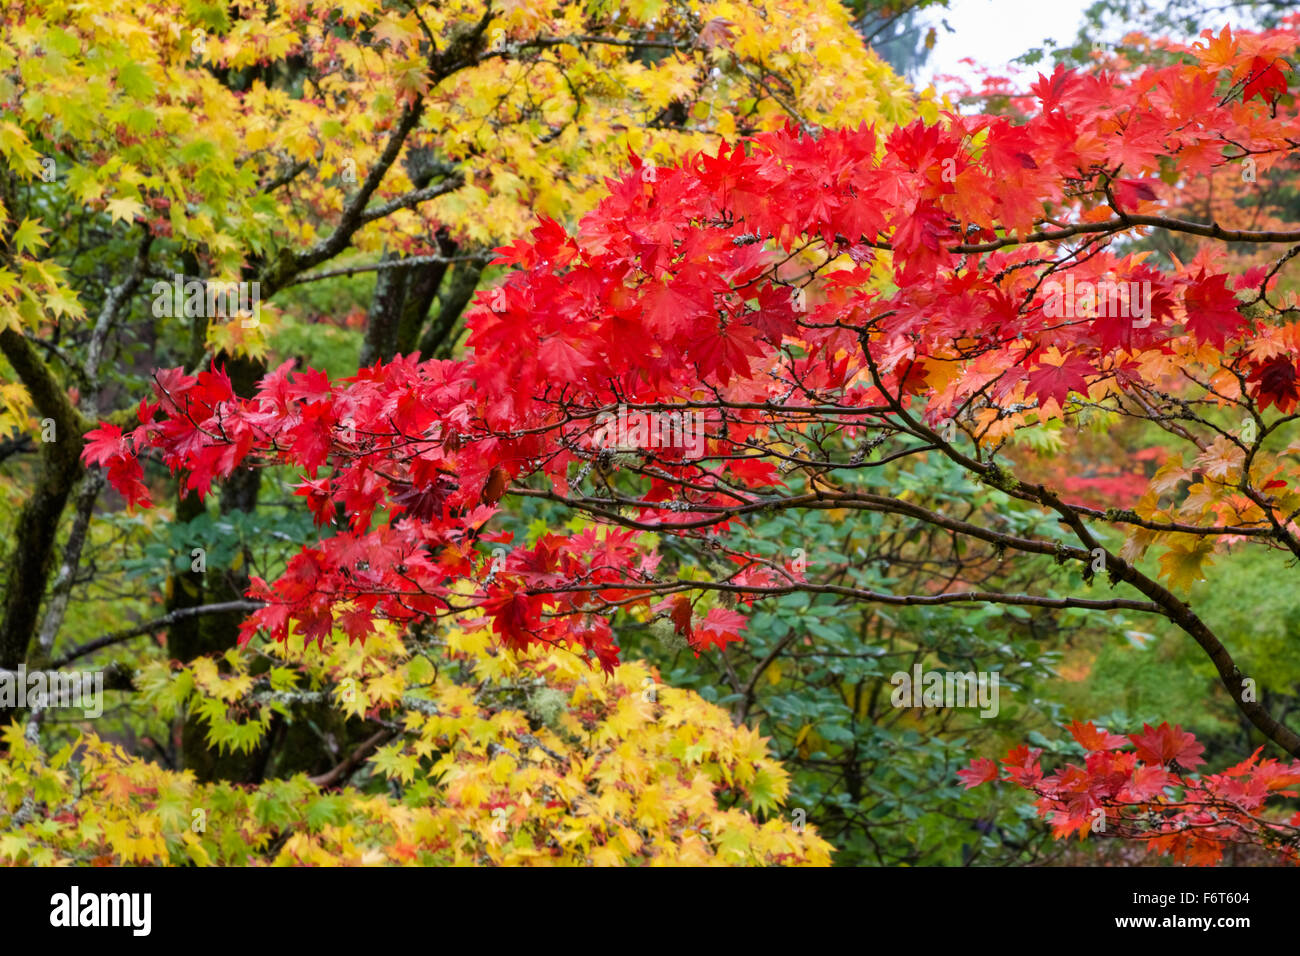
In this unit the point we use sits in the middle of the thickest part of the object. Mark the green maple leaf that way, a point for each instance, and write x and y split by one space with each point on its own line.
27 236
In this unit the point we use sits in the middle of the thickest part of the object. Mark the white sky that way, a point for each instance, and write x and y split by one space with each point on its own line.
993 32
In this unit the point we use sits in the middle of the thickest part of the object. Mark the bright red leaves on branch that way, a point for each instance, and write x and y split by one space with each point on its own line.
1274 382
1165 745
964 268
689 288
106 446
1212 314
1267 80
1147 793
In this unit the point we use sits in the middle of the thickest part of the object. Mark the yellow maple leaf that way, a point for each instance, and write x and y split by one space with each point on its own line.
1183 564
124 209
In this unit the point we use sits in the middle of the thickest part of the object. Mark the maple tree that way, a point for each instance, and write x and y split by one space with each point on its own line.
832 303
369 154
903 434
1103 472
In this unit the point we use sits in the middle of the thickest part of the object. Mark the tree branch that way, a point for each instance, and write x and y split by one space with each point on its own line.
148 627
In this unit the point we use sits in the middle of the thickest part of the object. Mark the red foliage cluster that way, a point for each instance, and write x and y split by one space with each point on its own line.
1139 788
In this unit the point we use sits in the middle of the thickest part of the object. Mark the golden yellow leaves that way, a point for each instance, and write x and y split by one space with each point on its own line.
543 763
17 150
535 124
15 404
1183 564
124 209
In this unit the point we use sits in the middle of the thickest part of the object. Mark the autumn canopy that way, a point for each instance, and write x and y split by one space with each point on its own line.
889 326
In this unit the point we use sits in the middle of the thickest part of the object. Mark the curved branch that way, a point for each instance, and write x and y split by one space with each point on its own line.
148 627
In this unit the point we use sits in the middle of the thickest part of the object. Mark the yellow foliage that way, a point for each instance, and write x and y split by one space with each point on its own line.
542 103
544 762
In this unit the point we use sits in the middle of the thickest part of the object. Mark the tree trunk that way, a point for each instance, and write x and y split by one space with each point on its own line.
440 338
29 559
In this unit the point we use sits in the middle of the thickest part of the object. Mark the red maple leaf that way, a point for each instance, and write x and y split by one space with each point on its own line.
1148 781
1050 90
1022 765
716 32
107 446
1093 740
981 770
103 444
1129 192
668 306
1267 81
681 615
1058 381
1212 314
719 627
514 616
1274 383
1165 744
